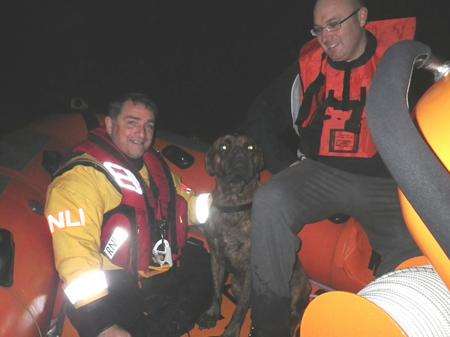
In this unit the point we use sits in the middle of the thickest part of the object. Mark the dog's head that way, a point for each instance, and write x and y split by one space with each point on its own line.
234 159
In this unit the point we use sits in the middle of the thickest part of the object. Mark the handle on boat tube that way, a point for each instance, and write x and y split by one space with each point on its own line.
419 173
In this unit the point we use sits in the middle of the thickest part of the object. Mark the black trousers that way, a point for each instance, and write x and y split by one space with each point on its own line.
306 193
166 305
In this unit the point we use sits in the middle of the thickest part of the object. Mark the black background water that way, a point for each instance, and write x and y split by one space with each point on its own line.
203 61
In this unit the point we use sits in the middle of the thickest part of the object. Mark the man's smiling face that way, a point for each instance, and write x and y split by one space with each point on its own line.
348 42
132 130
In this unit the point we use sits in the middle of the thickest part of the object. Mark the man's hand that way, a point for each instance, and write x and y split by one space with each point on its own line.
114 331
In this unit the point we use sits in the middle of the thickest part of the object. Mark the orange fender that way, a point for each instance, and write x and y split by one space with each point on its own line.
336 255
352 255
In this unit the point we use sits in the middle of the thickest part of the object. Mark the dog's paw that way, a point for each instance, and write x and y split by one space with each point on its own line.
208 321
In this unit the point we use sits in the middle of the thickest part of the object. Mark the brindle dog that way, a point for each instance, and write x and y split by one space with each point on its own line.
236 162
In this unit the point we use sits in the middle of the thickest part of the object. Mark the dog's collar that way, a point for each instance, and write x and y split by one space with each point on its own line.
233 209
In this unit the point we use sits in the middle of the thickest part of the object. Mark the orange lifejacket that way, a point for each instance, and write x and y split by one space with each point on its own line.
147 213
334 93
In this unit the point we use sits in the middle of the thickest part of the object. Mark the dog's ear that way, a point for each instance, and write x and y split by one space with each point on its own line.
209 161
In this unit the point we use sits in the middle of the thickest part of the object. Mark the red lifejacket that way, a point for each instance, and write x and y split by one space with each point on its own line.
146 213
334 93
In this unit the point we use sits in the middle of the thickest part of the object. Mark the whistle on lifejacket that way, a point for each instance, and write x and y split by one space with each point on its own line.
162 254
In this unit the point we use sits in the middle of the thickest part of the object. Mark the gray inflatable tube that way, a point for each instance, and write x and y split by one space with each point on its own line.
418 172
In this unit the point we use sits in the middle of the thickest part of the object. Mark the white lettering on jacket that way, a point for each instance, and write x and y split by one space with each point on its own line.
65 220
118 237
123 177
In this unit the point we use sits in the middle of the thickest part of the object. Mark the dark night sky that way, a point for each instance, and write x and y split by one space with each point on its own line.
203 61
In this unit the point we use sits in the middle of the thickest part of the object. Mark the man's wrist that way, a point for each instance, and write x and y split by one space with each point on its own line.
93 318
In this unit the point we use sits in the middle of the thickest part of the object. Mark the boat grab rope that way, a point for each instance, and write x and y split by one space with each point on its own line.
416 298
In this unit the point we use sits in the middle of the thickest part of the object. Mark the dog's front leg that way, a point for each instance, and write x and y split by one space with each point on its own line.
242 288
210 317
300 290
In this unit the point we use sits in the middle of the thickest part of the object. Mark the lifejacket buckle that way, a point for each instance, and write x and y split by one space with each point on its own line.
162 256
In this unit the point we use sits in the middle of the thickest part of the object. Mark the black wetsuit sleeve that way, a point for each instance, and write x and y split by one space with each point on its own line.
120 307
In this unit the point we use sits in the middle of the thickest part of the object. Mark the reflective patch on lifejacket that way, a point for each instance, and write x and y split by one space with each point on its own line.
118 237
65 220
123 177
87 287
202 206
343 141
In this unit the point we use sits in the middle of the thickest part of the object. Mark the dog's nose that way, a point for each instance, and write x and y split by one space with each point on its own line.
239 154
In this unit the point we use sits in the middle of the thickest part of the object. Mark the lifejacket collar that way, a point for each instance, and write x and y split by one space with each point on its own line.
369 51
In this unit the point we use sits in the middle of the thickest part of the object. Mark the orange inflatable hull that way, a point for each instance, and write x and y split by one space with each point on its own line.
335 256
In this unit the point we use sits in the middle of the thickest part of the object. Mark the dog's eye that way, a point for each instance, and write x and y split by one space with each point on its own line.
223 147
251 147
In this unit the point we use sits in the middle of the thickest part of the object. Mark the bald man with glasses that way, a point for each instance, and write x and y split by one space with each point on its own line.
339 170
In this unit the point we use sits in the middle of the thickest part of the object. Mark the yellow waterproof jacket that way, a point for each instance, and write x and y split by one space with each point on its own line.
76 203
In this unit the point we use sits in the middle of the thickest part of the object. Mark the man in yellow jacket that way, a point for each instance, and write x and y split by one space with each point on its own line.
118 222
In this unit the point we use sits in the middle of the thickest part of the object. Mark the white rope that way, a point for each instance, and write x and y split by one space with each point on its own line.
416 298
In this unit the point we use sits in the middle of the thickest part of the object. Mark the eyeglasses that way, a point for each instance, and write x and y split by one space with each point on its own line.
332 26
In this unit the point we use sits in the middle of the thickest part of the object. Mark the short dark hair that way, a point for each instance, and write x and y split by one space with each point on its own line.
115 107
